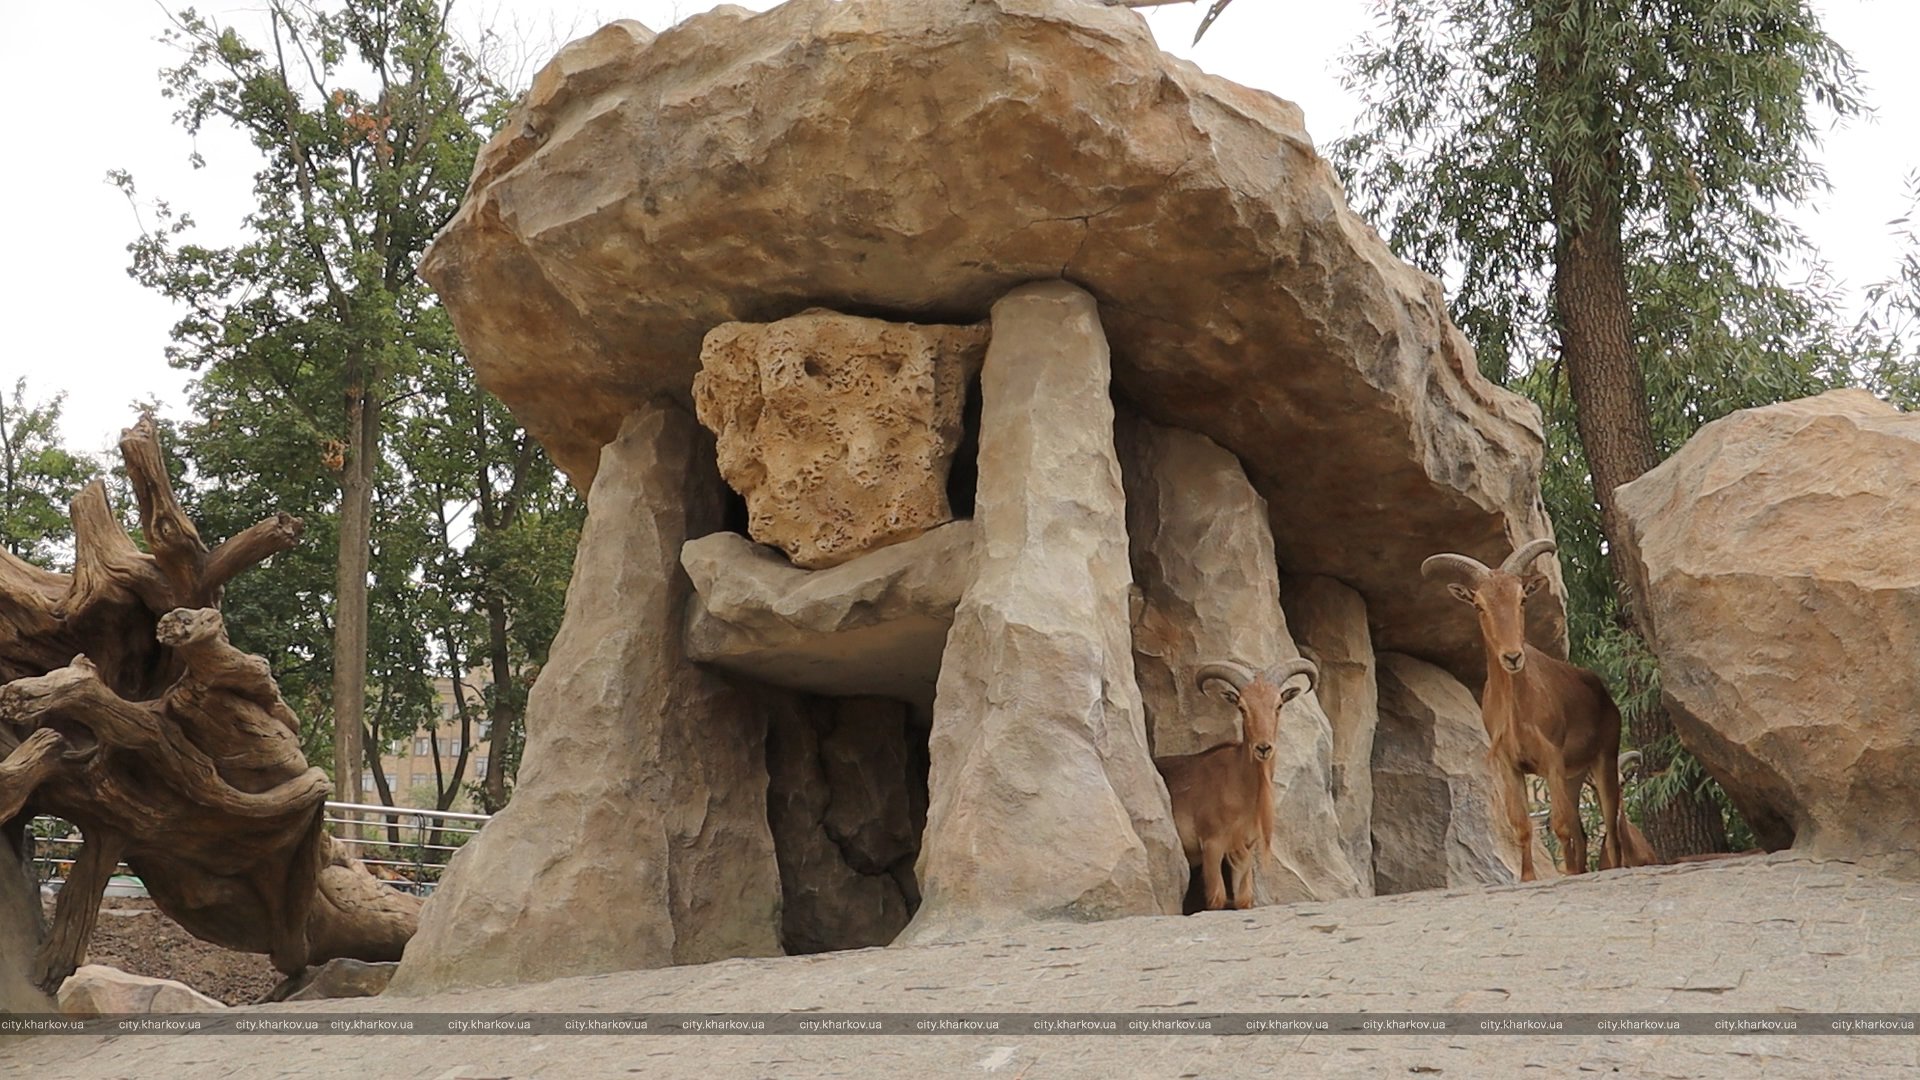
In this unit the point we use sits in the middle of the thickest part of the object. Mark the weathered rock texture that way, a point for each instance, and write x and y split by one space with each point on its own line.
342 978
839 431
1329 621
918 158
637 835
1203 560
98 990
1779 558
846 819
1044 802
1434 819
873 626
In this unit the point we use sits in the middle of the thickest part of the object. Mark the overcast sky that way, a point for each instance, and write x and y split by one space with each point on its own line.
83 77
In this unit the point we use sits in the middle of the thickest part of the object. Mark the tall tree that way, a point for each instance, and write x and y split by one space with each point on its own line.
1603 182
38 477
367 116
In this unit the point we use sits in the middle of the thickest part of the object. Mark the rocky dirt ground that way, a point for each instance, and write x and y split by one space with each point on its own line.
133 936
1754 934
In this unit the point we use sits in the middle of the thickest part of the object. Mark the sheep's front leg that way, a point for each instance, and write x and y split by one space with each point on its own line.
1241 863
1564 816
1513 799
1211 852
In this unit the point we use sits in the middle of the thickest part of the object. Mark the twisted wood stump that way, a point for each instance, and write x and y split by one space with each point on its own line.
125 710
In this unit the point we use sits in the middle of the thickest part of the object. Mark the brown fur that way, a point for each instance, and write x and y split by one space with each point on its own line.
1223 797
1547 718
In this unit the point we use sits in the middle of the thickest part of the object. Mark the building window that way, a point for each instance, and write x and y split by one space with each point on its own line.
420 748
484 727
453 749
366 782
480 766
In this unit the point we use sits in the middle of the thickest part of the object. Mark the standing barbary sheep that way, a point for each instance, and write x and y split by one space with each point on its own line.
1223 797
1543 716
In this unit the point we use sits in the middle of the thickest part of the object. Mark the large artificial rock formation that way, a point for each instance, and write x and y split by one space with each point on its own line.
846 821
1329 621
839 431
873 626
1043 801
917 159
637 835
1778 555
1202 558
1435 823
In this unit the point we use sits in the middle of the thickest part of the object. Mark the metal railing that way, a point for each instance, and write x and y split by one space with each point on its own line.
405 847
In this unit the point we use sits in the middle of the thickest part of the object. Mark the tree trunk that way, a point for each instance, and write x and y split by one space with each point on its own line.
505 710
1615 423
350 620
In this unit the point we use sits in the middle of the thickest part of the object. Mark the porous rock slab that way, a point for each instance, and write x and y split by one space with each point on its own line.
1779 557
1043 800
1329 621
637 834
918 158
839 431
872 626
1203 561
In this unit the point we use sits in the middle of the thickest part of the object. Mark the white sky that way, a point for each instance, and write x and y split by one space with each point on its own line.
84 80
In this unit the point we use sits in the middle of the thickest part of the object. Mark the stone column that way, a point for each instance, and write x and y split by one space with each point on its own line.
1330 622
1435 824
637 836
1203 557
1043 802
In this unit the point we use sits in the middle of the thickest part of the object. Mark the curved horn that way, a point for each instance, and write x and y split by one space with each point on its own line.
1279 673
1528 552
1233 673
1455 567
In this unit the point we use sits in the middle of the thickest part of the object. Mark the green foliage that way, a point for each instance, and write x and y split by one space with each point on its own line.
1891 323
1693 118
367 116
38 478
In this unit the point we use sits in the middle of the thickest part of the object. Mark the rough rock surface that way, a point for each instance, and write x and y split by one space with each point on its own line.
1434 819
1812 937
342 978
873 626
844 824
1329 621
98 990
1202 557
1779 557
21 931
637 835
839 431
917 159
1044 802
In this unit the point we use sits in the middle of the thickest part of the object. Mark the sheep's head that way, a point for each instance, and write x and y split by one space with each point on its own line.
1259 697
1498 596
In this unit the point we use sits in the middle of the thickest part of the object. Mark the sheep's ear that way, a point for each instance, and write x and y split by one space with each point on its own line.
1460 592
1289 694
1535 582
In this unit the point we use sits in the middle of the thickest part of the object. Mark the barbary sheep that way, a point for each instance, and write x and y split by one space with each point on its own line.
1223 797
1543 716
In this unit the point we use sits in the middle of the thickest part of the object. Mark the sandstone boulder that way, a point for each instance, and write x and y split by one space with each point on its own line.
98 990
637 835
918 158
839 431
342 978
1329 621
1778 553
873 626
1203 561
1435 823
1043 801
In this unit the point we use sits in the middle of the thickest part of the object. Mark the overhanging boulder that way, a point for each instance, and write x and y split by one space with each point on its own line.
919 158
